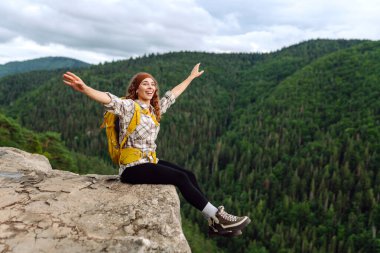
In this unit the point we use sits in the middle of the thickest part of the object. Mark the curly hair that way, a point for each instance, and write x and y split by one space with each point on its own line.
134 85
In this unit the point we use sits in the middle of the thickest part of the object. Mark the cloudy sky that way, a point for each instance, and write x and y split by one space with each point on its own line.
104 30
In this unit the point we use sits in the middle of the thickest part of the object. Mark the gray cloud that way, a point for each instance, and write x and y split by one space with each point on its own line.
101 30
122 28
307 14
6 35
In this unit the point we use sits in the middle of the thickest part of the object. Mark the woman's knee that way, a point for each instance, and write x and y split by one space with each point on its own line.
183 179
191 175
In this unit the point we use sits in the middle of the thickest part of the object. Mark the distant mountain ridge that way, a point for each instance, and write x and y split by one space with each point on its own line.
45 63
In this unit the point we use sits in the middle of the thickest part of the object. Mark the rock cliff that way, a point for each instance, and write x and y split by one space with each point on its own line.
45 210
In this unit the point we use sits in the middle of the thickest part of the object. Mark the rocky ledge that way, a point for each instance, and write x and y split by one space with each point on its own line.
45 210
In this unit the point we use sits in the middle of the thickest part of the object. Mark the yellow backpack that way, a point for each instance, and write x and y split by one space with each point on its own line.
111 123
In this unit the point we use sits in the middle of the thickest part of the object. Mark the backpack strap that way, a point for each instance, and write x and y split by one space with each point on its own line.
133 124
147 112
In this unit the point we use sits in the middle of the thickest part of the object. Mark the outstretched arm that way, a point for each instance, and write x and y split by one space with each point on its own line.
77 84
177 90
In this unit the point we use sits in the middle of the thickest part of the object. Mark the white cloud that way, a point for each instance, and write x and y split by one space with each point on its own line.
98 30
117 28
20 49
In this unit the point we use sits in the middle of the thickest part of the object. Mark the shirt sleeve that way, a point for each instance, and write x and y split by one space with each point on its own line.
166 101
120 107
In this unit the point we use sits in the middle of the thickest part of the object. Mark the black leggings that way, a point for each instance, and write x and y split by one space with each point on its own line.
167 173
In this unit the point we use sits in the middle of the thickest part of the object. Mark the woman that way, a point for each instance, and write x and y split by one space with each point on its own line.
147 169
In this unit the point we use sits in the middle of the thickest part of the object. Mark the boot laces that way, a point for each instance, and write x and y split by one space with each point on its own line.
226 215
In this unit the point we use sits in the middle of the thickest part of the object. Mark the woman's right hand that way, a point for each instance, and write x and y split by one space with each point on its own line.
74 81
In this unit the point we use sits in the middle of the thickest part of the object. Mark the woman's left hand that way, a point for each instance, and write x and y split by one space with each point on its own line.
195 72
182 86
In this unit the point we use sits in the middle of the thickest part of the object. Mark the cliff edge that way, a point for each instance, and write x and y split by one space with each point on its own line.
46 210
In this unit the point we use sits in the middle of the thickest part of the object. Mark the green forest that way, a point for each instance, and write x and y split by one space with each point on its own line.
289 138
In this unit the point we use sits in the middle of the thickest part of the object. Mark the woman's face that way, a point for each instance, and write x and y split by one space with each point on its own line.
146 89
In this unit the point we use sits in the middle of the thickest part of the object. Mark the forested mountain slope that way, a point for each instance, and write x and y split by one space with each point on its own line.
289 138
50 145
45 63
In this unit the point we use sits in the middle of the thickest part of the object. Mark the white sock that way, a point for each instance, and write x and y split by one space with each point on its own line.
209 210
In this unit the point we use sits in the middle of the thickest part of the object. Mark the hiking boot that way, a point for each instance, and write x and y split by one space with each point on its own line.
230 233
222 221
